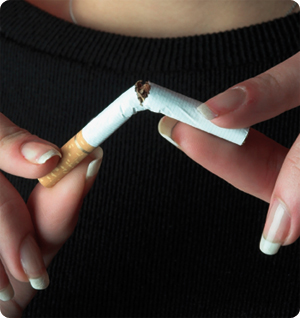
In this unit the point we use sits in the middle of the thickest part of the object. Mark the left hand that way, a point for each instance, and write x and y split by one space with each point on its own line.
52 215
260 167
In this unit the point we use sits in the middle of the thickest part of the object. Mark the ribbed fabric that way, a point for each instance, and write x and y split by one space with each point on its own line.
158 236
114 52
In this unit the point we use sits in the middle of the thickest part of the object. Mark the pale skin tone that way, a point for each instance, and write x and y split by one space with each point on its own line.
269 170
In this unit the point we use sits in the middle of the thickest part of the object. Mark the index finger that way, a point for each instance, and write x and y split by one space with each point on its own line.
257 99
24 154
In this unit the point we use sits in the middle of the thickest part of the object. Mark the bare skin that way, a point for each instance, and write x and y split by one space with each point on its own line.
168 18
151 18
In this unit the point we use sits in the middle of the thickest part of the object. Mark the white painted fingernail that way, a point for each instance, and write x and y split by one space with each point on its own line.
267 247
48 155
95 165
41 282
224 103
38 153
165 128
7 293
276 228
33 264
206 112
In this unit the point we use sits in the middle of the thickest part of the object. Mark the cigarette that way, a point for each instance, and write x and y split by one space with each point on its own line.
140 97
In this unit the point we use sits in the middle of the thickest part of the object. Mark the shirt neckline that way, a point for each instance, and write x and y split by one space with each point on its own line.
39 30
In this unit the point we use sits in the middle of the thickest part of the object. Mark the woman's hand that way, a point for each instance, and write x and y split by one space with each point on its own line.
261 166
31 234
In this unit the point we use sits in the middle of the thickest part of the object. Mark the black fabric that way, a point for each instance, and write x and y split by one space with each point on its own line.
158 235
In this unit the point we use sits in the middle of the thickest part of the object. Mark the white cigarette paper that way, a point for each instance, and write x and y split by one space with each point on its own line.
158 100
138 98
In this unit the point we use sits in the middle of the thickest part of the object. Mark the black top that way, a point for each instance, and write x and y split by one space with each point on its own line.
158 235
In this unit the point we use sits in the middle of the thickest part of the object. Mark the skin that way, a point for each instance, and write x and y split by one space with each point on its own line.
173 18
168 18
261 167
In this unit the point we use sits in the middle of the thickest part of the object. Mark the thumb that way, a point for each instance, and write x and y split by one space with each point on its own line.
24 154
54 211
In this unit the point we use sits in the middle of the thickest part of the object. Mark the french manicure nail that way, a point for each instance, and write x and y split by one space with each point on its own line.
33 264
38 153
223 103
95 165
7 293
165 128
276 228
206 112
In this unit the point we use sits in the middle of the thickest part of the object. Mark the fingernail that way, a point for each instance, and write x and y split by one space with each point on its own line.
165 128
95 165
223 103
33 264
38 153
7 293
276 228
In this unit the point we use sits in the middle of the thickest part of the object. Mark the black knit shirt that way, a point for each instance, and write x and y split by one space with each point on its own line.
158 235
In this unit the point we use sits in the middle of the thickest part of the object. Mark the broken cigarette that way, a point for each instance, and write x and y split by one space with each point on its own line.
138 98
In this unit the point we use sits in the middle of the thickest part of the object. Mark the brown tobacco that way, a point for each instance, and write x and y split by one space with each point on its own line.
142 90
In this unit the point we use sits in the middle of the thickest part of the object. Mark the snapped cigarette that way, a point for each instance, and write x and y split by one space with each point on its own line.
148 96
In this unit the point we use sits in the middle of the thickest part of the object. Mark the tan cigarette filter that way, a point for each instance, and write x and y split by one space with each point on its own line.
73 152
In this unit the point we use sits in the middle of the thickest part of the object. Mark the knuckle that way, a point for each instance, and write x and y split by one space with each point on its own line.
11 134
294 156
6 206
270 79
294 163
267 89
267 80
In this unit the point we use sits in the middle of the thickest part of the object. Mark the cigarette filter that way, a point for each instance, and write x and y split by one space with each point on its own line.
138 98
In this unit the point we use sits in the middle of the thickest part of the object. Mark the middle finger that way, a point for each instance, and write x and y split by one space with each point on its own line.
18 248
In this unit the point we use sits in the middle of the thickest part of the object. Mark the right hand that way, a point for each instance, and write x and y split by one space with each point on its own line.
31 234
